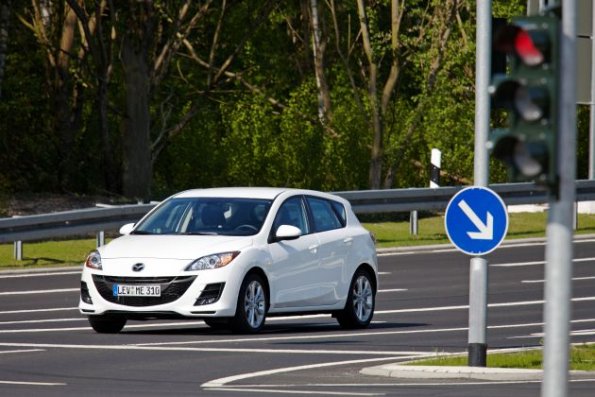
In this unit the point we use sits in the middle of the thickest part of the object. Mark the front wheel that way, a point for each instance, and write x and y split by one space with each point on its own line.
107 325
252 305
359 307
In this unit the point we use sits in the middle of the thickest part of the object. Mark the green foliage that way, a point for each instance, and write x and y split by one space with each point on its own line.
217 127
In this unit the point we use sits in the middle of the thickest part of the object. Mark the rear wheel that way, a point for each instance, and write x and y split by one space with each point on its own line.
359 307
106 324
252 304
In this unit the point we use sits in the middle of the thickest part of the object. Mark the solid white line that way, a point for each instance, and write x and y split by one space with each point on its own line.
21 351
393 290
34 292
393 355
543 281
57 309
11 382
48 320
535 263
221 382
24 275
384 273
285 391
464 307
345 335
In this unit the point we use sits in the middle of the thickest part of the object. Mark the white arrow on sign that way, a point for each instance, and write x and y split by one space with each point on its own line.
486 230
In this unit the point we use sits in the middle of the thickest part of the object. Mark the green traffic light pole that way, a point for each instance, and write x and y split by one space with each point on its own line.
478 270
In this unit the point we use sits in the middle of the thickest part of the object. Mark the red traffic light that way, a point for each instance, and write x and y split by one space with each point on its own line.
529 46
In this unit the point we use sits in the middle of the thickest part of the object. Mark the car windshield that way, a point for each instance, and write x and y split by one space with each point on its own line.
207 216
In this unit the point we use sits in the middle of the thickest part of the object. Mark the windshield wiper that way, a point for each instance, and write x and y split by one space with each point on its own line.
201 233
141 232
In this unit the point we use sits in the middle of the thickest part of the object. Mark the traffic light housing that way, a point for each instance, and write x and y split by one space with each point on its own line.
528 145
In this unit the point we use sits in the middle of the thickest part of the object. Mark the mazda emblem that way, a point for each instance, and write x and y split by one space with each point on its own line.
137 267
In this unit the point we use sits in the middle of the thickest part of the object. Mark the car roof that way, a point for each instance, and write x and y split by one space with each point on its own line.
248 192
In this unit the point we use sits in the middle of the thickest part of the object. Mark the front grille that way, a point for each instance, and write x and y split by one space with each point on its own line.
172 288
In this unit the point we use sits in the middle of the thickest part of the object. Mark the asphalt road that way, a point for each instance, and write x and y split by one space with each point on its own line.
47 348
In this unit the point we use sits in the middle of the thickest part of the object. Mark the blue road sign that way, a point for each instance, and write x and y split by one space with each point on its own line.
476 220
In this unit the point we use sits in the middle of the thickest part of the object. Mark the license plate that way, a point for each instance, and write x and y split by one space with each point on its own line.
137 290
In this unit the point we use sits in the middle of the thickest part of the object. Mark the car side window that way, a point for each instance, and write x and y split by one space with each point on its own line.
324 215
292 213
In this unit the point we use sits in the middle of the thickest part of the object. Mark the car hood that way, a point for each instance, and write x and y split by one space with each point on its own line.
171 247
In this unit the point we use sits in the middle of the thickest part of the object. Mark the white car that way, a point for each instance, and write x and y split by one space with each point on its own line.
232 256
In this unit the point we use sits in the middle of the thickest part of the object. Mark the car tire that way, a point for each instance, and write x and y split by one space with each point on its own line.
217 323
361 299
252 306
107 325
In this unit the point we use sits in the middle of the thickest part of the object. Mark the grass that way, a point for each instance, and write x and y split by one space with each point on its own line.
388 234
431 229
582 357
47 253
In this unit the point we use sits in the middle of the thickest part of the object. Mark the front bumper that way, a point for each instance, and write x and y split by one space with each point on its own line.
205 294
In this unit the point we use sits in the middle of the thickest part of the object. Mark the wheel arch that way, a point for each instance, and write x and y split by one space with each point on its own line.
373 276
261 273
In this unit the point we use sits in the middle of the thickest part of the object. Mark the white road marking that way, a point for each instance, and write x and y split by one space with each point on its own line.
535 263
369 333
393 290
543 281
584 332
21 351
47 320
392 354
26 275
41 291
12 382
518 264
379 312
384 273
222 382
57 309
286 391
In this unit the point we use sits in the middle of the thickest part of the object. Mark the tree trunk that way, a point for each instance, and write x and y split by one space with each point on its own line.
4 19
66 99
377 153
318 47
137 172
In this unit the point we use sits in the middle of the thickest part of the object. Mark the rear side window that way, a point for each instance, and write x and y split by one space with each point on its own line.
324 215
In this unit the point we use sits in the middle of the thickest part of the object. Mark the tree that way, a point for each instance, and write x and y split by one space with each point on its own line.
4 20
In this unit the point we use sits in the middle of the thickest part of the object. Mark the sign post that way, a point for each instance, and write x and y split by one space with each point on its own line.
476 222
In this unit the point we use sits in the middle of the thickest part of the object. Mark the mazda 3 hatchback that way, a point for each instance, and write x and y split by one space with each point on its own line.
232 257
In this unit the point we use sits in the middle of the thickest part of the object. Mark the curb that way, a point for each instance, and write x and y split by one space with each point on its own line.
474 373
443 372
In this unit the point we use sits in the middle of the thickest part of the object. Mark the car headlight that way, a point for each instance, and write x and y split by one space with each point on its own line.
214 261
93 260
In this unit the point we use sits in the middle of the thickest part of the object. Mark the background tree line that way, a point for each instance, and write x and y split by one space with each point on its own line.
142 98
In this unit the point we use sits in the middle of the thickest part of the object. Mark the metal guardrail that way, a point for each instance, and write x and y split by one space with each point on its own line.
87 221
69 223
432 199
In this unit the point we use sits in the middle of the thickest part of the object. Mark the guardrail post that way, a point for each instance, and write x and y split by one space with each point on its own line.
18 250
413 225
100 238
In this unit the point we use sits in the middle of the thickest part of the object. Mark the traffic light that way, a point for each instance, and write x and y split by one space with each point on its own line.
528 145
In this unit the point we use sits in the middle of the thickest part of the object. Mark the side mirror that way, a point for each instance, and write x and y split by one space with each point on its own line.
127 228
287 232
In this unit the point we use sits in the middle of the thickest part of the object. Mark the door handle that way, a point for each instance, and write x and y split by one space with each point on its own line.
348 240
313 248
